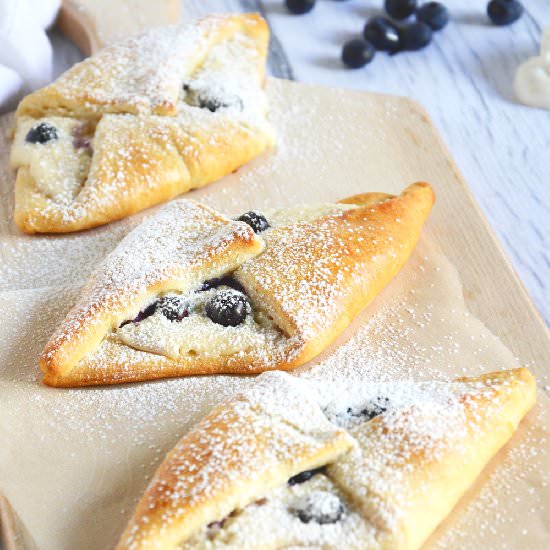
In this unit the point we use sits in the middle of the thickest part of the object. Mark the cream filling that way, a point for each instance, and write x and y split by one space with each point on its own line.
273 522
57 167
278 217
196 334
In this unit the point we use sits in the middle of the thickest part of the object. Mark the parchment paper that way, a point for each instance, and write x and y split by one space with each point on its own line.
74 462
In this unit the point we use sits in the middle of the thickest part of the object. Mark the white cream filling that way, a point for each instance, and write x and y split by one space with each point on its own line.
271 523
196 334
58 167
278 217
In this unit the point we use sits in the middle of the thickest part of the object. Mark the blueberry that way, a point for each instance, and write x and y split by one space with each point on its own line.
504 12
257 221
321 506
222 281
400 9
382 34
375 408
357 53
415 36
434 14
210 103
173 308
41 133
143 314
228 308
302 477
299 6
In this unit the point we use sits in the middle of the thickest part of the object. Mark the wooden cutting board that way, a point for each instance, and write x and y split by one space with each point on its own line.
93 24
379 142
376 142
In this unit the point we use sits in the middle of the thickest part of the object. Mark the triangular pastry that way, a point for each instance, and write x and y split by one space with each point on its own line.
141 122
407 454
192 292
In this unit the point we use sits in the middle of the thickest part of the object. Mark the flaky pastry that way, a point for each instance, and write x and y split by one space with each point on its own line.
140 122
190 291
389 461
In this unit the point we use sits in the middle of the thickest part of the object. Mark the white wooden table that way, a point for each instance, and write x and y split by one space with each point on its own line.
464 80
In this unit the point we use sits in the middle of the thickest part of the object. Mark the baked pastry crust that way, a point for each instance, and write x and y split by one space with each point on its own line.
143 121
400 472
307 277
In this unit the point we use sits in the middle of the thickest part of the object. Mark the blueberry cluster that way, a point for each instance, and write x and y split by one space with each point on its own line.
395 33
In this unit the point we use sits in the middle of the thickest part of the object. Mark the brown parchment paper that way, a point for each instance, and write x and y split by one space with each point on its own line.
74 462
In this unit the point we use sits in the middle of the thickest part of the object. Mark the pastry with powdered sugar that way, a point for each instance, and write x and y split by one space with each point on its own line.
294 463
191 291
141 122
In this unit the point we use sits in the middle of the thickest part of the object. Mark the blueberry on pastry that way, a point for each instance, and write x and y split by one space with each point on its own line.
191 291
140 122
276 468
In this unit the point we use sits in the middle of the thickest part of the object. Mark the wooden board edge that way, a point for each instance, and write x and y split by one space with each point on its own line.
13 535
79 27
423 113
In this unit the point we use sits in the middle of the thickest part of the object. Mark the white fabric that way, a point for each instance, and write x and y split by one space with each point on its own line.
25 51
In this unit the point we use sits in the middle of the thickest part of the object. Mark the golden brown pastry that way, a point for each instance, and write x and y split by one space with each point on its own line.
388 462
192 292
141 122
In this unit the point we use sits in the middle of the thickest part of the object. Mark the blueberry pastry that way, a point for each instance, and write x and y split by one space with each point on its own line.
190 291
279 467
141 122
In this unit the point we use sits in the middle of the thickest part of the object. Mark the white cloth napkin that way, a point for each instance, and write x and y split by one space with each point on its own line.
25 51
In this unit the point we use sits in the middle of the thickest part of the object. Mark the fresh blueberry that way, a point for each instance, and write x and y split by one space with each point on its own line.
302 477
41 133
504 12
374 408
434 14
357 53
257 221
382 34
415 36
173 308
321 506
400 9
228 308
299 6
211 103
143 314
222 281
